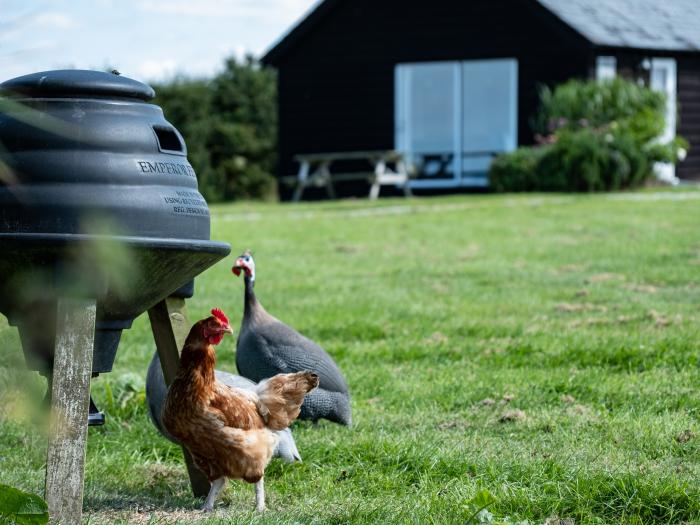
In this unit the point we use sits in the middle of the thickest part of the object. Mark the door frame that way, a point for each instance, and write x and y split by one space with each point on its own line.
667 84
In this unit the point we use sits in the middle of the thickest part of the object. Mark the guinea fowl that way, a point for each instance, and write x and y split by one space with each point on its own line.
157 390
266 346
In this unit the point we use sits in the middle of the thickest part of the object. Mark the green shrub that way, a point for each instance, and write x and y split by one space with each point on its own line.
516 171
598 136
624 106
585 160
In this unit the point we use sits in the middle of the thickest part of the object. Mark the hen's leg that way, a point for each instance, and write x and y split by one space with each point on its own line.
216 487
260 495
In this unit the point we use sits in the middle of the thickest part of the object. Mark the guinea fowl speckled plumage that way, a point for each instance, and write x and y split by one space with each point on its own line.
156 392
266 346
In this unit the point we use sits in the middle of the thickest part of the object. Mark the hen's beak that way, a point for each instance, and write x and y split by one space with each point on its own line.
228 329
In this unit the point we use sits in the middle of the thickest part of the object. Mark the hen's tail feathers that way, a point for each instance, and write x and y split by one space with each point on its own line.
280 397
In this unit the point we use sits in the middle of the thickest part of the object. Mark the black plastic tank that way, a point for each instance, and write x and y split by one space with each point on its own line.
97 198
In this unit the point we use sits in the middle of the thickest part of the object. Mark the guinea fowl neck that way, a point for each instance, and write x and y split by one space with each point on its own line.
250 302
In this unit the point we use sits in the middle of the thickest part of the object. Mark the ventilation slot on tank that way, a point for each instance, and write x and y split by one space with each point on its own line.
168 139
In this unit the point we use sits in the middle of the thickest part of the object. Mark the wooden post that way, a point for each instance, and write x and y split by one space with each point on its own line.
70 395
170 328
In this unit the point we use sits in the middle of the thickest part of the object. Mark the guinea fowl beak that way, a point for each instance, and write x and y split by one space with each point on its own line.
240 265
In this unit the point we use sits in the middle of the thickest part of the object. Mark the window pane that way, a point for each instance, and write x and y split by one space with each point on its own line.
605 67
489 106
427 116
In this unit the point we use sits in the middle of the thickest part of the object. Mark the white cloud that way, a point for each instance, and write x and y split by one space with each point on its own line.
239 51
26 25
208 8
157 69
54 20
276 9
120 33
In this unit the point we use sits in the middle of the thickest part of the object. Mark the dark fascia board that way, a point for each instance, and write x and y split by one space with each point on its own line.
275 54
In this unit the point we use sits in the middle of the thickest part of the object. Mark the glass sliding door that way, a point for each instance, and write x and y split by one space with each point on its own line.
427 120
489 115
452 117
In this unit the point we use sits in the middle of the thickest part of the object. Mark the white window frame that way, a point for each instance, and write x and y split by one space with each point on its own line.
605 67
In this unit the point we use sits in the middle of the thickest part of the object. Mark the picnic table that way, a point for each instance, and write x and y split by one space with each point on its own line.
315 170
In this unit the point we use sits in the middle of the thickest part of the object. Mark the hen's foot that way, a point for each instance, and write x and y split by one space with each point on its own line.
216 487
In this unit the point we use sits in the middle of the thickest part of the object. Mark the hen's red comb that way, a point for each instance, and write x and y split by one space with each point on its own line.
220 315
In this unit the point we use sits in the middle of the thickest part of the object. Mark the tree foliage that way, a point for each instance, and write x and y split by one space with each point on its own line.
229 124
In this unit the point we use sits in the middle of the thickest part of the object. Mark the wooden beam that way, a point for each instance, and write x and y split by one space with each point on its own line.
70 396
170 327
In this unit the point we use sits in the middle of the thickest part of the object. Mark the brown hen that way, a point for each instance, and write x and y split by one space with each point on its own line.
229 431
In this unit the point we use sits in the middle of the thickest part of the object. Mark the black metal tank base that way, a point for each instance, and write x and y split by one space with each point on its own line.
39 268
37 332
95 417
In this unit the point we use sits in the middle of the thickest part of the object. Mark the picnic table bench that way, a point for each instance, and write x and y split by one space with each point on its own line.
315 170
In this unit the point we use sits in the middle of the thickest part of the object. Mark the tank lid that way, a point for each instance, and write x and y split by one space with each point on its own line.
69 83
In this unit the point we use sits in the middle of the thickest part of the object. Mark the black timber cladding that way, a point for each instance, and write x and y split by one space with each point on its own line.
336 68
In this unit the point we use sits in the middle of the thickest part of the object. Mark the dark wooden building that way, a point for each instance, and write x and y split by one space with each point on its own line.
452 82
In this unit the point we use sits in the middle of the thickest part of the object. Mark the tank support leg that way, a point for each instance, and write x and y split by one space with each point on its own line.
170 328
70 397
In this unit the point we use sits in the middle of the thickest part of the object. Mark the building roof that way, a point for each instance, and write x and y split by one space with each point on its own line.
668 25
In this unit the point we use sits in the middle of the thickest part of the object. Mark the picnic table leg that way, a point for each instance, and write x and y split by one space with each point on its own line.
302 178
325 173
379 170
401 169
70 395
170 328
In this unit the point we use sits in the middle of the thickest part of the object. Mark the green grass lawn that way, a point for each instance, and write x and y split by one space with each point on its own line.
544 348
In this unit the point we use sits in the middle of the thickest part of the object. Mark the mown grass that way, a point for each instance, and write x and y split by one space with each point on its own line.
542 347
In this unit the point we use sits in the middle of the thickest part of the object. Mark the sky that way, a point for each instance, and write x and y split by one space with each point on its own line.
149 40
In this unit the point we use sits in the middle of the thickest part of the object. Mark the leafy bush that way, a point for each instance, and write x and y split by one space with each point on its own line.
589 161
624 105
595 136
516 171
230 126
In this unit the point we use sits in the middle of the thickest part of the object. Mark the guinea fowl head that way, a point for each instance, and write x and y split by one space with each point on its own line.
246 264
215 327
